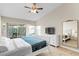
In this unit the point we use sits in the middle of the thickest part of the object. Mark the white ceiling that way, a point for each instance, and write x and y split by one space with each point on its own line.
17 10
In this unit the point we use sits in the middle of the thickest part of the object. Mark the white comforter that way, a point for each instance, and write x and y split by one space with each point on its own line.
18 48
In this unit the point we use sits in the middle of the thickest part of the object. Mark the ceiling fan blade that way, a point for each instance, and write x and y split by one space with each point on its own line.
40 8
27 7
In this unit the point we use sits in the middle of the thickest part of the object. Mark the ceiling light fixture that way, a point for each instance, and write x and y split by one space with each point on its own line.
34 8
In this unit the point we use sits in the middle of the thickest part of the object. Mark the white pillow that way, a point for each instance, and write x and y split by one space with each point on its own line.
3 47
8 43
2 42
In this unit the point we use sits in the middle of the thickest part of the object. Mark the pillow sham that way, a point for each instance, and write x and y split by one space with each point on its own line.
7 43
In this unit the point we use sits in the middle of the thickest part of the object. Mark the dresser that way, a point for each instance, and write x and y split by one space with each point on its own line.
54 40
51 39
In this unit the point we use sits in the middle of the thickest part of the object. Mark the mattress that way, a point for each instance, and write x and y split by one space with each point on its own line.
36 43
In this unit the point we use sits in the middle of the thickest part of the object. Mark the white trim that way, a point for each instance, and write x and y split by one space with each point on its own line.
73 49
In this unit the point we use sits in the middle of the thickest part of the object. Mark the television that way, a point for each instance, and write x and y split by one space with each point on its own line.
50 30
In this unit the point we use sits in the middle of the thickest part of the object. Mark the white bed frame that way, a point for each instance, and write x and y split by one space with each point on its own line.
40 51
31 54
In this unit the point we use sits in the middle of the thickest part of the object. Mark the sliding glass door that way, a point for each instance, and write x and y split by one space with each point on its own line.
16 31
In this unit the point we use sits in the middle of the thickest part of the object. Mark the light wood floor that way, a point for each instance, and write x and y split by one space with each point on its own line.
71 43
53 51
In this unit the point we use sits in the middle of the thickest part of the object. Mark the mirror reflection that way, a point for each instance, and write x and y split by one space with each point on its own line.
70 33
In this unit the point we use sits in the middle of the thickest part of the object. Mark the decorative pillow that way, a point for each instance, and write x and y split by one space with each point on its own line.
7 43
3 49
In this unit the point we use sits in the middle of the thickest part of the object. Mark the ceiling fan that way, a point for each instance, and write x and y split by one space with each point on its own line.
34 8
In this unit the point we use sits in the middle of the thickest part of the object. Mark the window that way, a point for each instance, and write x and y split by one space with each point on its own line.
34 30
30 29
38 30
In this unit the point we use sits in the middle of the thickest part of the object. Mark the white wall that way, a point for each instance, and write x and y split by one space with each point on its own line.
56 17
16 21
0 26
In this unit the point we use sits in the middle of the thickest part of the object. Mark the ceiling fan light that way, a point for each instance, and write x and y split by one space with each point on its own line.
33 11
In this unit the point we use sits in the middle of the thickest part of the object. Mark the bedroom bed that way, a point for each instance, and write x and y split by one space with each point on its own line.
39 45
35 42
26 46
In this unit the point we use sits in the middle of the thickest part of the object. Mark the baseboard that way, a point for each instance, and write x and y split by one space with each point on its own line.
54 46
73 49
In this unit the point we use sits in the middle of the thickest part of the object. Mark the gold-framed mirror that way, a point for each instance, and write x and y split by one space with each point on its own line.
70 34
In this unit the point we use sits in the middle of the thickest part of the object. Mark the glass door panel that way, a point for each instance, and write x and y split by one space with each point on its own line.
15 31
